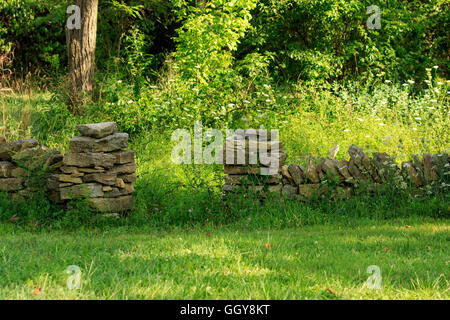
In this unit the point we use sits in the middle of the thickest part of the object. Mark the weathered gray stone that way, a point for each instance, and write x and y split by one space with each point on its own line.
228 188
285 172
110 143
309 190
92 170
70 178
411 174
442 164
97 130
124 156
8 149
297 173
275 188
342 167
113 193
129 188
123 169
55 157
430 173
290 191
124 203
332 153
65 184
69 170
114 142
230 169
311 172
28 154
89 160
108 179
236 179
280 157
331 170
86 190
355 172
11 184
81 144
319 165
387 168
128 178
119 183
6 169
418 166
52 182
361 161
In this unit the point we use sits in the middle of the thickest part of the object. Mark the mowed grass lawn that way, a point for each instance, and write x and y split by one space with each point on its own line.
312 262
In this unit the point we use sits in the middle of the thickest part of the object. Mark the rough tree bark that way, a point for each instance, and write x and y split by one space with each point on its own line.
81 53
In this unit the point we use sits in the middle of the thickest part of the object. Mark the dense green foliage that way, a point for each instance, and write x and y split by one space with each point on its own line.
328 39
32 34
319 39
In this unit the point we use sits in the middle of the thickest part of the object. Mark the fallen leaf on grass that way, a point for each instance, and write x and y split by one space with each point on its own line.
386 248
267 245
37 291
409 227
331 291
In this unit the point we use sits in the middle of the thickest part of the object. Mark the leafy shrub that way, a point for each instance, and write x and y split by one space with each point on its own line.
328 39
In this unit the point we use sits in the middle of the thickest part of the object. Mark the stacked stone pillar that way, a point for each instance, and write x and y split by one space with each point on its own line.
98 168
252 161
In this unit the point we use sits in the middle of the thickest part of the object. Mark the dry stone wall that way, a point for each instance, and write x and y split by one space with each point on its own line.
241 170
342 178
25 165
97 167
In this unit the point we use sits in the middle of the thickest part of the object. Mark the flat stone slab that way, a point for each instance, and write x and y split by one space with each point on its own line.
8 149
128 178
6 169
124 156
69 178
108 179
86 190
97 130
290 191
11 184
89 159
123 169
230 169
297 173
110 143
124 203
309 190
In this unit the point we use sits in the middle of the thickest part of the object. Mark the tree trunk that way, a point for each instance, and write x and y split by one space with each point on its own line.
81 53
